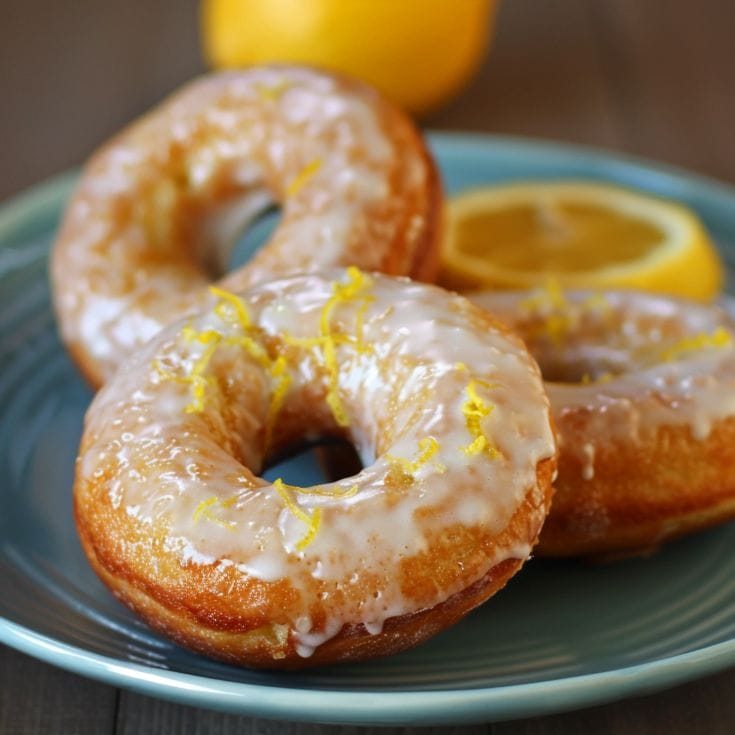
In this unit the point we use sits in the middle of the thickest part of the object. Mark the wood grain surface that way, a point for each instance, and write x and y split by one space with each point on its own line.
653 78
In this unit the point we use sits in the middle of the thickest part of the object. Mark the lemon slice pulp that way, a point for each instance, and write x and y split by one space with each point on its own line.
579 234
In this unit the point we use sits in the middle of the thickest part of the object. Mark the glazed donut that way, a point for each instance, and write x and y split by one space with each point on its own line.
642 390
158 208
446 408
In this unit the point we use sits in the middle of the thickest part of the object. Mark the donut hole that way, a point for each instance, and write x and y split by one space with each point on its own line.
253 236
303 465
339 460
328 459
559 372
231 234
594 346
576 368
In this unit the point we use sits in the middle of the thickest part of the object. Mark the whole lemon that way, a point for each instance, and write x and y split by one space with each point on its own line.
417 52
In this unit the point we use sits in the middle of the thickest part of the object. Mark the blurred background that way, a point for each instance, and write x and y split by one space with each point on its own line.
647 78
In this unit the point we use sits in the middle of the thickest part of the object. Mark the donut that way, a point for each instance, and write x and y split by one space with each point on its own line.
158 208
642 390
445 406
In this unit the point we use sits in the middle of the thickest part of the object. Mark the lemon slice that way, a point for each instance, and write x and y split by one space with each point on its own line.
579 234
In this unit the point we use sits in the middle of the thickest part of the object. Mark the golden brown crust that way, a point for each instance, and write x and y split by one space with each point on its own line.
136 247
641 391
643 493
174 519
205 611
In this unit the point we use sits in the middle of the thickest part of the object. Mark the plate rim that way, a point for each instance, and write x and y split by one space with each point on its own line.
426 707
421 707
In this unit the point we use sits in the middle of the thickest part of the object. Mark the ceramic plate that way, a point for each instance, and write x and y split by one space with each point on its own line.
561 635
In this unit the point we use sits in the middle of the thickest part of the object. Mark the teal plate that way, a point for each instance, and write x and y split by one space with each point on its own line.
562 635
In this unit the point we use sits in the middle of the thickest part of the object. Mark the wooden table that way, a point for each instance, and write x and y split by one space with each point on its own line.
651 78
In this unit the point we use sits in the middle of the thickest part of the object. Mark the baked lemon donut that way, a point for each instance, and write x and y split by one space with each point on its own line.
158 208
642 390
446 407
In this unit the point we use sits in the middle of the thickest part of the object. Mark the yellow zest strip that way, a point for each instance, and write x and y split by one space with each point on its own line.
551 296
272 92
303 176
320 493
333 398
232 310
558 313
475 408
203 511
165 374
253 348
278 370
338 339
311 521
719 338
342 293
232 306
428 447
243 318
597 302
587 379
198 380
552 306
308 537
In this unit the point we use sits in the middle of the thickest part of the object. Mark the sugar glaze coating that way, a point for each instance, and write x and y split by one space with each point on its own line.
642 389
159 207
446 409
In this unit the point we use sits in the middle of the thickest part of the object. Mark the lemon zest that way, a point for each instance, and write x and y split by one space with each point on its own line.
233 311
236 303
198 380
311 521
558 314
549 296
475 409
552 306
303 176
278 370
597 301
203 511
272 92
308 537
720 338
203 506
328 340
165 374
587 379
428 447
342 293
320 493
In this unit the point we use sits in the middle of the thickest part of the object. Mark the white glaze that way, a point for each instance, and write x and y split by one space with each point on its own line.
620 340
411 383
158 208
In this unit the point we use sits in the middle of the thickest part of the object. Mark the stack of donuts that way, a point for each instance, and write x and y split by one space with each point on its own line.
207 377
